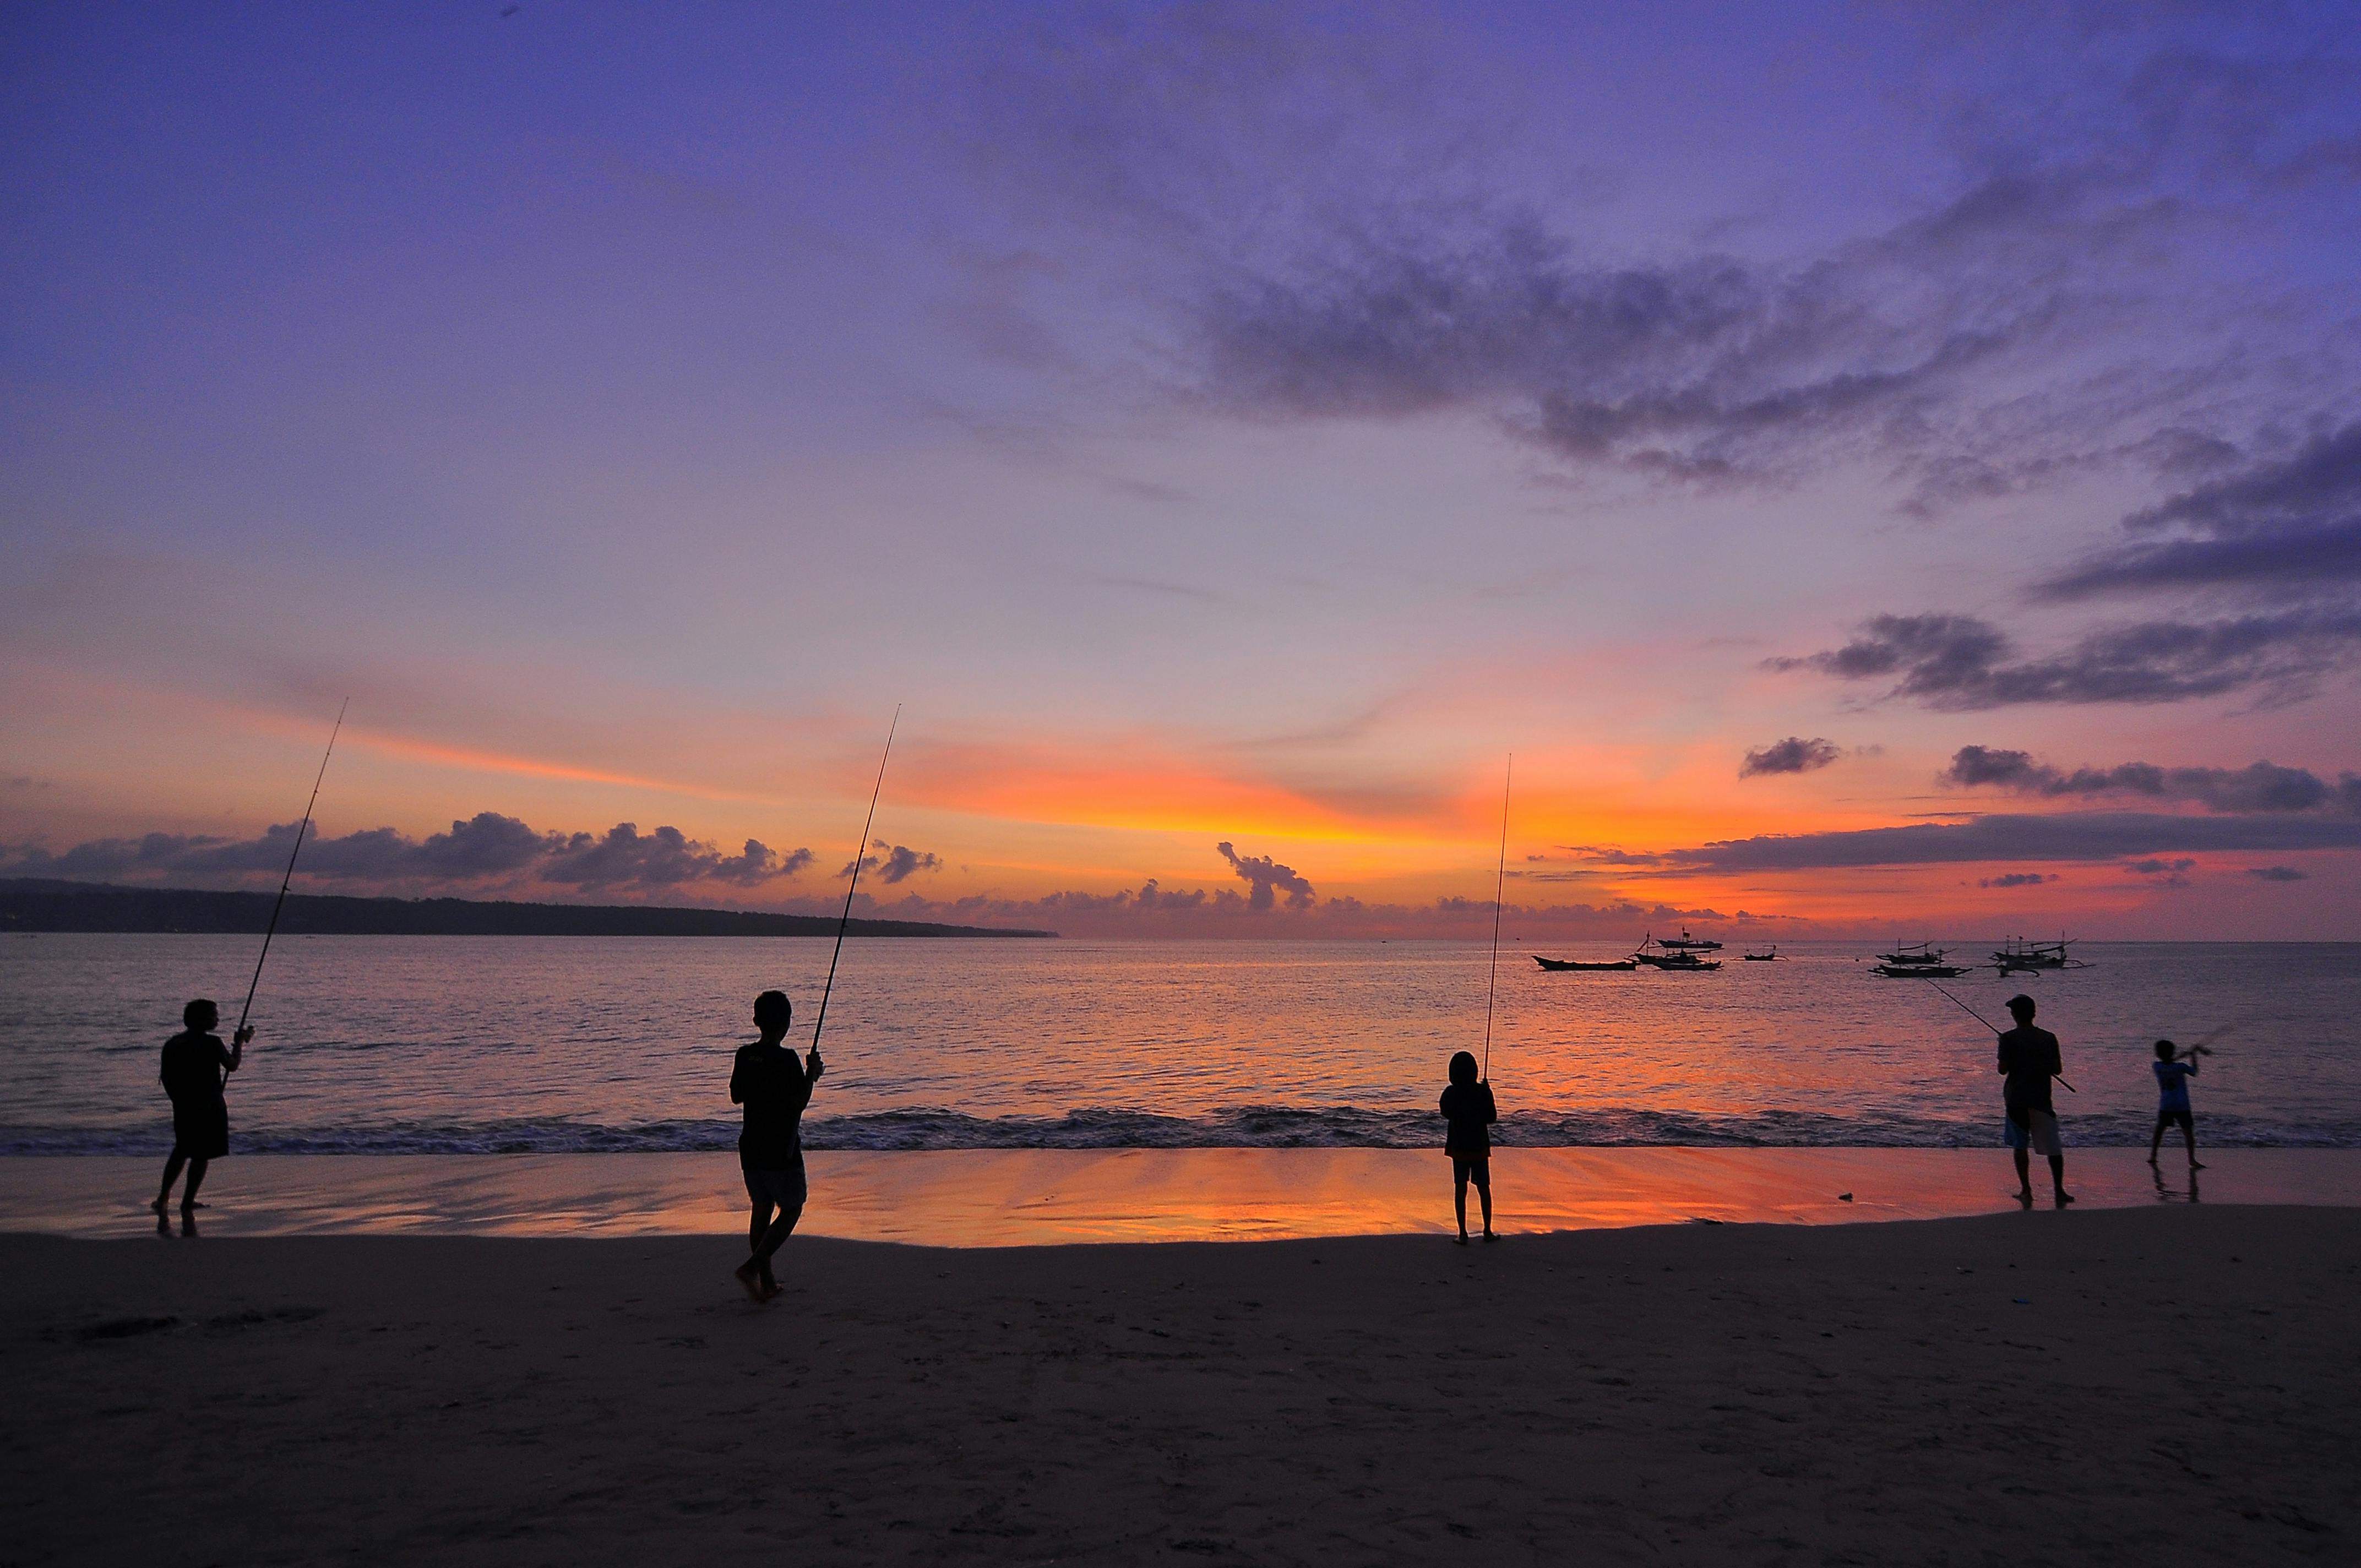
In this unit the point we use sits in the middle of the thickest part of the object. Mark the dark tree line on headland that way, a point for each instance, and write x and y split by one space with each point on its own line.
44 905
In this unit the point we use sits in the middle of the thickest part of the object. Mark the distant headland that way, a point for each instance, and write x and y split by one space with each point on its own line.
32 904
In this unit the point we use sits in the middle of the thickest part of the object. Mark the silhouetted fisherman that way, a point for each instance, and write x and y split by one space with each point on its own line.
774 1086
196 1065
2029 1060
1468 1113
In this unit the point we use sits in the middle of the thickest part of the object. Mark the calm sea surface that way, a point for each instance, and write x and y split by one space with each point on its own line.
465 1045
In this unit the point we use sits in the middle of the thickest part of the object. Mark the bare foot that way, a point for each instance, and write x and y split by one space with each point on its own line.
745 1276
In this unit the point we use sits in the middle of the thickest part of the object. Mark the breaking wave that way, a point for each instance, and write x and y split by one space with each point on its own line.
1252 1127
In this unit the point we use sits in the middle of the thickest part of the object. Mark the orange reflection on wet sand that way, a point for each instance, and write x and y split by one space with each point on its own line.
1047 1197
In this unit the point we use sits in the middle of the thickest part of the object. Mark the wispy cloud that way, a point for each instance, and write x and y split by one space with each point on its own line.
2286 528
1960 661
2074 835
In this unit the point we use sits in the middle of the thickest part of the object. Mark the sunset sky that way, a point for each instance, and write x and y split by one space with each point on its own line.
1877 469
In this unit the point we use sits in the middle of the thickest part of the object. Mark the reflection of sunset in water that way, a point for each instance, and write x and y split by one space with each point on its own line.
525 1045
1034 1197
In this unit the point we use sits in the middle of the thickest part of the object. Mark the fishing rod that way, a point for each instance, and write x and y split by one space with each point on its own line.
1988 1024
859 853
1499 884
300 831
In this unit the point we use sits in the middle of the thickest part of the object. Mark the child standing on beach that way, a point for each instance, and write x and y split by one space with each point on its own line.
2172 1076
1468 1113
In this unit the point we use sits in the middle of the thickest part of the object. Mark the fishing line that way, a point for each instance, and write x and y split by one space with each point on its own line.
300 831
859 853
1500 883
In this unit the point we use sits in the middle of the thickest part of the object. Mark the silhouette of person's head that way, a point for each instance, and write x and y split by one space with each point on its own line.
200 1014
1463 1068
2021 1009
772 1013
2165 1050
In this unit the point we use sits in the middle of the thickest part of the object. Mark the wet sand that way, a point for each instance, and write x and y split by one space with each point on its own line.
2174 1383
1024 1197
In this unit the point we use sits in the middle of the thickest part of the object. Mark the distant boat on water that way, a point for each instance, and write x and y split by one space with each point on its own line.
2019 954
1667 956
1556 964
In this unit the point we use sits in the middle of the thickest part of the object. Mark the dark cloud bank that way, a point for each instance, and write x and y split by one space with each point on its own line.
2260 807
2258 786
486 848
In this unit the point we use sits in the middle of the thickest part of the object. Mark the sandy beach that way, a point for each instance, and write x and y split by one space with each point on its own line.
2173 1384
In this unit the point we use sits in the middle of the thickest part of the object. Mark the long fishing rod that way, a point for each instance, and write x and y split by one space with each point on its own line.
859 853
1499 884
1988 1024
306 826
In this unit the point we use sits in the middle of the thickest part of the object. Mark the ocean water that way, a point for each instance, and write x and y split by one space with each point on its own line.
496 1044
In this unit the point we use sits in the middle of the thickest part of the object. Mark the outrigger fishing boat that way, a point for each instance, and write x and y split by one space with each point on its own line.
1923 963
1685 943
2016 953
1667 956
1555 964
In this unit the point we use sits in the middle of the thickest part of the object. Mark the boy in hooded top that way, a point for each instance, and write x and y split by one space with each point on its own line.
1469 1112
196 1067
773 1086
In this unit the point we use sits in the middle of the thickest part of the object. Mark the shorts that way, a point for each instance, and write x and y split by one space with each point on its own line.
1479 1171
2166 1115
2039 1131
201 1131
787 1188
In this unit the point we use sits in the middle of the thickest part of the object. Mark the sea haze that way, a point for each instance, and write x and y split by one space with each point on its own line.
549 1045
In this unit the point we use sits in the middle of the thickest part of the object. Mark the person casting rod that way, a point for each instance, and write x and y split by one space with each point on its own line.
1987 1023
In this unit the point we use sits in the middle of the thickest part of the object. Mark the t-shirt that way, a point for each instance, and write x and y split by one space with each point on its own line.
1469 1108
194 1066
2029 1056
770 1082
2172 1078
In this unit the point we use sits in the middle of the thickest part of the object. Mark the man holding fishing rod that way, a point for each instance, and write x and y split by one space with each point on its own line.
2029 1059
